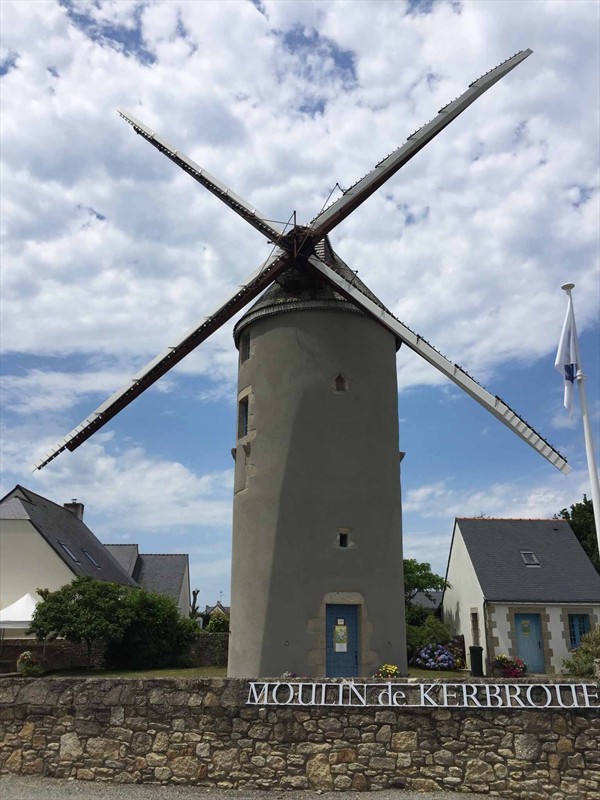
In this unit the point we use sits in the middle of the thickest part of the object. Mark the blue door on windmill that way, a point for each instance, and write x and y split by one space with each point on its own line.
342 641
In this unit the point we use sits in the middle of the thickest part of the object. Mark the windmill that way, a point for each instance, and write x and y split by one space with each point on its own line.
317 584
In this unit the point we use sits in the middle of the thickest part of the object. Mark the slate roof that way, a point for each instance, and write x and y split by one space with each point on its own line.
125 554
306 287
421 599
163 573
57 524
564 575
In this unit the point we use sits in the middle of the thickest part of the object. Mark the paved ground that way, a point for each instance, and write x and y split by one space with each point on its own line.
13 787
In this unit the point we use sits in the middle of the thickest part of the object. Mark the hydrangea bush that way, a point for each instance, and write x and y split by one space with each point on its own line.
435 656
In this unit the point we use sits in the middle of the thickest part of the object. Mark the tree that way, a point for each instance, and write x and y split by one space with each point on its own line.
422 627
86 610
194 610
581 520
418 577
155 635
218 623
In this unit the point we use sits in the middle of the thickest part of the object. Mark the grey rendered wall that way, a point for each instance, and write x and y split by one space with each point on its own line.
313 461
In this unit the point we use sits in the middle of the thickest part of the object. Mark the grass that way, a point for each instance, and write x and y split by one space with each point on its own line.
191 672
429 674
221 672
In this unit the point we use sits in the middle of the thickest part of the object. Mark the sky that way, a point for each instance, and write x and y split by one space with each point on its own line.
109 250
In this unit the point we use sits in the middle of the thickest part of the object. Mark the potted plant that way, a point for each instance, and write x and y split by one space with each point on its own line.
509 666
29 664
387 672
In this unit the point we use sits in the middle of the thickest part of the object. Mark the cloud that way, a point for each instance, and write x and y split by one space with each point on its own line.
110 252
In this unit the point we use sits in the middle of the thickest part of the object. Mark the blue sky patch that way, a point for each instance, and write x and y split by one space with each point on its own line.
126 40
303 43
585 193
8 63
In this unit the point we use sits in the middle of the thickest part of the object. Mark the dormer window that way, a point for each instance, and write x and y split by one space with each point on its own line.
529 558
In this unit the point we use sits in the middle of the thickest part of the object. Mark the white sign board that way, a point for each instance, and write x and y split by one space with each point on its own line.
424 695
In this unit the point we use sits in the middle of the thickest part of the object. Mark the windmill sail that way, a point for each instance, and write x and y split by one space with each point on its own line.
220 190
493 404
306 240
255 284
357 194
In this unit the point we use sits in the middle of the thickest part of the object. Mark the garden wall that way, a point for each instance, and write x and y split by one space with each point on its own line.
208 650
203 732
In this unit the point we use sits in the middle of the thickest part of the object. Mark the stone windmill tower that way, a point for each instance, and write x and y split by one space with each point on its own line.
317 584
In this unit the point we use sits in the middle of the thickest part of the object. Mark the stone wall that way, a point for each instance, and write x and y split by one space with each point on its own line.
208 650
201 732
58 654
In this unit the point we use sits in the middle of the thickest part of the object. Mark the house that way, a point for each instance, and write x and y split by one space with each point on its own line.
521 587
165 573
218 610
43 544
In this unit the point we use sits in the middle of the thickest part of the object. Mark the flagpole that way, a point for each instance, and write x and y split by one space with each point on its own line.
587 433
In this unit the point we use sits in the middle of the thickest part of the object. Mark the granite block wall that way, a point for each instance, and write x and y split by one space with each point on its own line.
202 732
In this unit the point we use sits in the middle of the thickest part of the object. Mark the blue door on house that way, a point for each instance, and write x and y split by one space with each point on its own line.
529 641
341 625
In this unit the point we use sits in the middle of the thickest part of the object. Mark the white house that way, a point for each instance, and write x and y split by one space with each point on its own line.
521 587
45 545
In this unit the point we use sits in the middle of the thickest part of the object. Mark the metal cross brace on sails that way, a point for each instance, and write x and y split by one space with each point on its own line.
298 246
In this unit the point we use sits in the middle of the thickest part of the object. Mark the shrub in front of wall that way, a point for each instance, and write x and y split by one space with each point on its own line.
582 659
155 636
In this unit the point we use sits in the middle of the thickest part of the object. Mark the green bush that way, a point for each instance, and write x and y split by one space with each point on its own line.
156 634
582 661
432 631
218 623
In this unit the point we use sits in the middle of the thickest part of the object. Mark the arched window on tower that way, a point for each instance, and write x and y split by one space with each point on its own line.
340 383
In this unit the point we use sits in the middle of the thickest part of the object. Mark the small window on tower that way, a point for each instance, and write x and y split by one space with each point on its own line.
244 347
343 537
243 418
340 383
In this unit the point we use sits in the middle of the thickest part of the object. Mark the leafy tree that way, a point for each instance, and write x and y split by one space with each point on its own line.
581 520
218 623
156 635
85 610
418 577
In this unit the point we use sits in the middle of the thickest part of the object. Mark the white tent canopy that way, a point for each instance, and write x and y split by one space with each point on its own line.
19 614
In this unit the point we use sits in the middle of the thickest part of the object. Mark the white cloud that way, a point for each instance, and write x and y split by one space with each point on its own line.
110 252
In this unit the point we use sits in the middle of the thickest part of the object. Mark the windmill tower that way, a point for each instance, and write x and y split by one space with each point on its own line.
317 555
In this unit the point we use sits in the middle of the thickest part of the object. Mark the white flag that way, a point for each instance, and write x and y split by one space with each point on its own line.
567 355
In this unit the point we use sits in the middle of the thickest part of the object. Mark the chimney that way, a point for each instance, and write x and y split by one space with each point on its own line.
75 508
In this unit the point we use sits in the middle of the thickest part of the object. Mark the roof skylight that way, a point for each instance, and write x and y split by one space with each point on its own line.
530 558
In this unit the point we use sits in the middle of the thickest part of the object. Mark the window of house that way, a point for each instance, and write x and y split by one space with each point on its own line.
475 627
69 552
244 347
579 624
91 558
343 539
530 558
243 417
340 383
